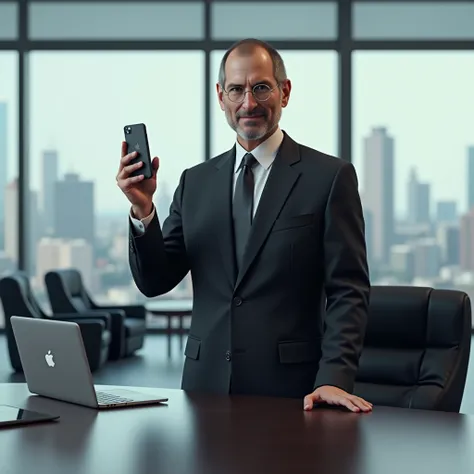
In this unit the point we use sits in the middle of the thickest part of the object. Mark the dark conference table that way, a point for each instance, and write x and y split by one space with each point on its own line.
228 435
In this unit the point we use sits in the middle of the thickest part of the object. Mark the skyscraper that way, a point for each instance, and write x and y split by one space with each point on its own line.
369 234
446 211
418 200
470 178
427 259
163 201
74 209
57 253
10 204
402 262
466 239
3 161
448 236
49 177
379 192
11 224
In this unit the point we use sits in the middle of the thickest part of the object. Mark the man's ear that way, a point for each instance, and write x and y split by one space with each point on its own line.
220 95
285 92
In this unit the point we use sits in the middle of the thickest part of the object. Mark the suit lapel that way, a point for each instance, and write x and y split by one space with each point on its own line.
279 184
222 205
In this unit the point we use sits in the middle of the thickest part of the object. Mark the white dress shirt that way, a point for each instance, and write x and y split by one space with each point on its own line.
264 153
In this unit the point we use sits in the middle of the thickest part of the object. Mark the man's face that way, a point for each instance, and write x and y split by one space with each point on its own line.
252 119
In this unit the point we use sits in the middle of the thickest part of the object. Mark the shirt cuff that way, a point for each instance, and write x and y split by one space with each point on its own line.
140 225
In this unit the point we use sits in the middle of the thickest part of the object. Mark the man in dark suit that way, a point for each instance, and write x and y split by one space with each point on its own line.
273 234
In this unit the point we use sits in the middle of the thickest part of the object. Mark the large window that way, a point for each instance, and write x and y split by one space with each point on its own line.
312 112
8 164
413 146
80 102
386 84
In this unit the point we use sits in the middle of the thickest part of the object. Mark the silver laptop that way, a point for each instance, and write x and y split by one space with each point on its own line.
55 365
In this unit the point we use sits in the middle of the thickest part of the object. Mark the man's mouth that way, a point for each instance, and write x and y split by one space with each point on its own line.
252 117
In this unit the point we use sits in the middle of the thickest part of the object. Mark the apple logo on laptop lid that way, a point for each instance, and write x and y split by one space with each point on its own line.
50 359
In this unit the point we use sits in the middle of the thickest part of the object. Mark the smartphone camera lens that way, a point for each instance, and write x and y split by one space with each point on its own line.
128 130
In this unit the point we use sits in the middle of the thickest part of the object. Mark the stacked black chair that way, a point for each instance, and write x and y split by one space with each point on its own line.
417 347
18 300
67 293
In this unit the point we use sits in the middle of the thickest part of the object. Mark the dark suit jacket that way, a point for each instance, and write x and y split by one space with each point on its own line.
267 330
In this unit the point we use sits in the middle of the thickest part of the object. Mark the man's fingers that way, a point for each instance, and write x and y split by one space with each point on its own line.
126 170
124 163
308 402
155 164
123 153
348 404
354 403
124 149
335 396
361 403
126 183
127 158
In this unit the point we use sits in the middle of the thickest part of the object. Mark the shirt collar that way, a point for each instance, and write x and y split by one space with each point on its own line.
265 153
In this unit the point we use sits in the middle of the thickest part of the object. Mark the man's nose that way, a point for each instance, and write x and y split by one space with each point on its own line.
249 102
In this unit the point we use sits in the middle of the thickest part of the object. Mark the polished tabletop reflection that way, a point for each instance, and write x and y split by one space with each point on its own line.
211 434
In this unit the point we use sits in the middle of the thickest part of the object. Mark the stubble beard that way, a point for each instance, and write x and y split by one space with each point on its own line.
256 133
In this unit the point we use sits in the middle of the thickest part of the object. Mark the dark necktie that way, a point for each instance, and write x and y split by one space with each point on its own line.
243 205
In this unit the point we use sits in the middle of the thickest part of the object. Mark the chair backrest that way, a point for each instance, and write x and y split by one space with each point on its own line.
17 299
66 291
416 349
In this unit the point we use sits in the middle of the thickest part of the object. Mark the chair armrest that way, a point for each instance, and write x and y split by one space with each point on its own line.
88 322
117 316
117 327
135 311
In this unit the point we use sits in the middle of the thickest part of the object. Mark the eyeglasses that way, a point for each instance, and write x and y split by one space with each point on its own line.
261 93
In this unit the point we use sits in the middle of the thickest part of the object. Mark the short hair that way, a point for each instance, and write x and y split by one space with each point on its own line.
247 46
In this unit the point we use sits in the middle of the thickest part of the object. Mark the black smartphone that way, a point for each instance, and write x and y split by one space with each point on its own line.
137 140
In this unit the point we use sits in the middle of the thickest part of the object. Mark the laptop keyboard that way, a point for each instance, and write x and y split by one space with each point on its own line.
104 398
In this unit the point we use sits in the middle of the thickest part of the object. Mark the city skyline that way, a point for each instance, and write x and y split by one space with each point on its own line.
400 216
418 96
425 101
419 247
430 206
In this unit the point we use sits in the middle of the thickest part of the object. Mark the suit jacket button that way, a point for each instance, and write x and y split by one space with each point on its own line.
228 356
237 301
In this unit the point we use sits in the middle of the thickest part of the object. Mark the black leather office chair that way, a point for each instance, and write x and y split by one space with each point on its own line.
417 347
18 300
67 293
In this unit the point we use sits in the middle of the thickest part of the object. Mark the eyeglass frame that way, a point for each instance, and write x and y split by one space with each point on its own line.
271 89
